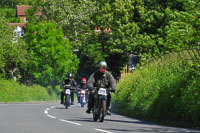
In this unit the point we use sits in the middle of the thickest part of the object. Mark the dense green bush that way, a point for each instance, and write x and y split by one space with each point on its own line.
12 91
167 92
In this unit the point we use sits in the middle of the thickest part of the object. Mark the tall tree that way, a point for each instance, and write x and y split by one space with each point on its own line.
75 19
51 56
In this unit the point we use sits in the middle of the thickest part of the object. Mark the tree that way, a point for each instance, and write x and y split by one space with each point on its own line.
75 20
51 56
73 16
14 3
13 52
9 14
183 29
147 28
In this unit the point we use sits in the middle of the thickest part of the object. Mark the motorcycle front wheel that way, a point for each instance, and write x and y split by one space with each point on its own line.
66 101
95 114
82 103
103 111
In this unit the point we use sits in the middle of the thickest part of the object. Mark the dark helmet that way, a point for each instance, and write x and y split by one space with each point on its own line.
83 80
102 64
69 75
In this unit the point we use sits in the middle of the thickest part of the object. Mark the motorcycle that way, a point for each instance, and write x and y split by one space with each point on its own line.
67 89
99 109
83 96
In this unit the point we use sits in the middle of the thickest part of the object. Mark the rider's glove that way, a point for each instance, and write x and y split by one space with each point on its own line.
93 91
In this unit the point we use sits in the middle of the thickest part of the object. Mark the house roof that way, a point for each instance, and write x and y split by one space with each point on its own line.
17 24
21 10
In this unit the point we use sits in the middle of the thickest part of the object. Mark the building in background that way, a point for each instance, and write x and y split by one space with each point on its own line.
21 14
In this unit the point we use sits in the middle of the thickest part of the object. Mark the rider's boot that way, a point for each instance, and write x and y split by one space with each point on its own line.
108 112
88 110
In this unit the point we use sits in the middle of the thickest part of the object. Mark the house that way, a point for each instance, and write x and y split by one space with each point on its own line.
21 14
19 30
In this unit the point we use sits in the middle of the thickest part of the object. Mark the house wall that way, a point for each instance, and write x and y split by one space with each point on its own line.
22 18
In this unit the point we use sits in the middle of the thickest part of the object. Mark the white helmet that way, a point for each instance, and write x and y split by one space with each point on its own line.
102 64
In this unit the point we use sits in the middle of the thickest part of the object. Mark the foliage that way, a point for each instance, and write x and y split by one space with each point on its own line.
14 92
73 16
9 14
14 3
165 92
75 19
148 28
13 55
183 28
50 55
145 28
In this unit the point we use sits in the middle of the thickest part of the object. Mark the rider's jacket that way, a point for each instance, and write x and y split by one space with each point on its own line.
83 86
72 83
101 80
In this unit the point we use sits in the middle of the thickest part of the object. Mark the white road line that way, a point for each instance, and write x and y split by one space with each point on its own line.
47 109
52 107
71 122
102 130
46 112
51 116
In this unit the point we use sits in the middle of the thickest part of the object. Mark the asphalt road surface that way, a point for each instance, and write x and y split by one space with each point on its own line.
54 118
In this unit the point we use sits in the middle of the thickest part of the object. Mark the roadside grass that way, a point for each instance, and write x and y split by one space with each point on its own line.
11 91
166 91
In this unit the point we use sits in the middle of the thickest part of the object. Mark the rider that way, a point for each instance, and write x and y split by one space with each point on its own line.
100 78
84 87
73 84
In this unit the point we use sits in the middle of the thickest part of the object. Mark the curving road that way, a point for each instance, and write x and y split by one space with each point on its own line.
54 118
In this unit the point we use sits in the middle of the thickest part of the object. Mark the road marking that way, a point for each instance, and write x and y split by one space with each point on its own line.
46 112
51 116
102 130
52 107
71 122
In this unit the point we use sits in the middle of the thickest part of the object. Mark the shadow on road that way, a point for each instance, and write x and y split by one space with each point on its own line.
130 121
151 129
60 107
82 119
147 126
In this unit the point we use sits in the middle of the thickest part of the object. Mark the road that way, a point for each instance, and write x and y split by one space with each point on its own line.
54 118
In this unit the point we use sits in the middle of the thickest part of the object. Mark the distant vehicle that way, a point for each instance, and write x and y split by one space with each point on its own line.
132 62
132 67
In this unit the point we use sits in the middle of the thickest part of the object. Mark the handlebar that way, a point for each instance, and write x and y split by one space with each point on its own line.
68 87
107 89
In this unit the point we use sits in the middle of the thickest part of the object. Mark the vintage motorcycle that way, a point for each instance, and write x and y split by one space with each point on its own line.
100 99
83 96
67 89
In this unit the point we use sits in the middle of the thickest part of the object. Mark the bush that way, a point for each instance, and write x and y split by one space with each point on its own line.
166 92
12 91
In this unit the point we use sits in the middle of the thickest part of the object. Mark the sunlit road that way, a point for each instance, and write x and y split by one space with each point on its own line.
54 118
